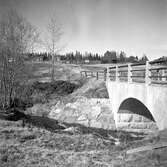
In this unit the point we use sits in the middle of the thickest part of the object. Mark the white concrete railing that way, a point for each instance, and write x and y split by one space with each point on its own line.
147 73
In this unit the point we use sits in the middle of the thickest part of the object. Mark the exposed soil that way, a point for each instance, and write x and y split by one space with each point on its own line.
58 87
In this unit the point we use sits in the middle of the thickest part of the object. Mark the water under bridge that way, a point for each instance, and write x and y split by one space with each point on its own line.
136 89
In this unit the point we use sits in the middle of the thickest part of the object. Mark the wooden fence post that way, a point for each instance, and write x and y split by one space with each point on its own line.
97 75
85 74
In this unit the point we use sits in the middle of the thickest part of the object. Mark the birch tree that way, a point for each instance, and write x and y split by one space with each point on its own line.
53 42
15 38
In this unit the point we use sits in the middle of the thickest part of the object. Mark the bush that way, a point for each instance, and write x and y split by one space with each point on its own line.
59 87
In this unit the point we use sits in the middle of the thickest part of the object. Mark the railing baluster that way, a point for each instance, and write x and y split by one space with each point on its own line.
163 75
129 73
139 73
105 74
116 74
108 74
148 73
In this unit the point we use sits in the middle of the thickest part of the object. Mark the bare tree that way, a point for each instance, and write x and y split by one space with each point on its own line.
15 38
34 38
53 42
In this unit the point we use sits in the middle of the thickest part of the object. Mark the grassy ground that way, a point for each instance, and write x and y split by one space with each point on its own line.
42 71
30 146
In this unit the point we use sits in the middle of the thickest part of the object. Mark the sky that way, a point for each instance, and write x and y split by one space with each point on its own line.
136 27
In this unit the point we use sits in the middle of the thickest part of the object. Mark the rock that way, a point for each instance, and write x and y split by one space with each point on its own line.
137 118
72 105
95 123
144 119
72 130
106 110
95 111
140 125
55 113
84 122
117 143
123 125
124 117
89 112
39 110
70 119
82 118
151 125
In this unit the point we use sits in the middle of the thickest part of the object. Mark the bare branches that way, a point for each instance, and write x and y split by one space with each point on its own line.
16 37
53 42
55 34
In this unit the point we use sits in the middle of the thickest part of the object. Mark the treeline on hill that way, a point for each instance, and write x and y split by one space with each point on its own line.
89 58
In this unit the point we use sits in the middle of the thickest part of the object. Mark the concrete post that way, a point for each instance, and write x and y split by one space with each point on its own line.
91 74
105 74
129 73
116 74
163 75
148 73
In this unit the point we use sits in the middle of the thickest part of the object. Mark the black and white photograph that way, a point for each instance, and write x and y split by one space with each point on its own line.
83 83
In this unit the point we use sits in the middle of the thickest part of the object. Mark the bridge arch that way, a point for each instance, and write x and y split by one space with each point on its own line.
132 113
135 106
152 96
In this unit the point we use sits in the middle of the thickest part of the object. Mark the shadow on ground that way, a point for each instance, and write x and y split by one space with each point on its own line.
70 128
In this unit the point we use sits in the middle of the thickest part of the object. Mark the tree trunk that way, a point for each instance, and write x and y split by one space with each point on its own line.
52 71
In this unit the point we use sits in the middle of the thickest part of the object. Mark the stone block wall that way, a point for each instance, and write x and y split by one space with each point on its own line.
134 121
89 112
97 113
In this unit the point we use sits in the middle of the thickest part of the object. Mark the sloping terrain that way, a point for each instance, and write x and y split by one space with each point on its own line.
38 141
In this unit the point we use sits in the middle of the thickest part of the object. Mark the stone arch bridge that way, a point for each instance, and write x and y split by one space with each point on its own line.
137 91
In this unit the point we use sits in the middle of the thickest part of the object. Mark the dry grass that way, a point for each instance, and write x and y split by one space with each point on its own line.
33 147
42 71
90 88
